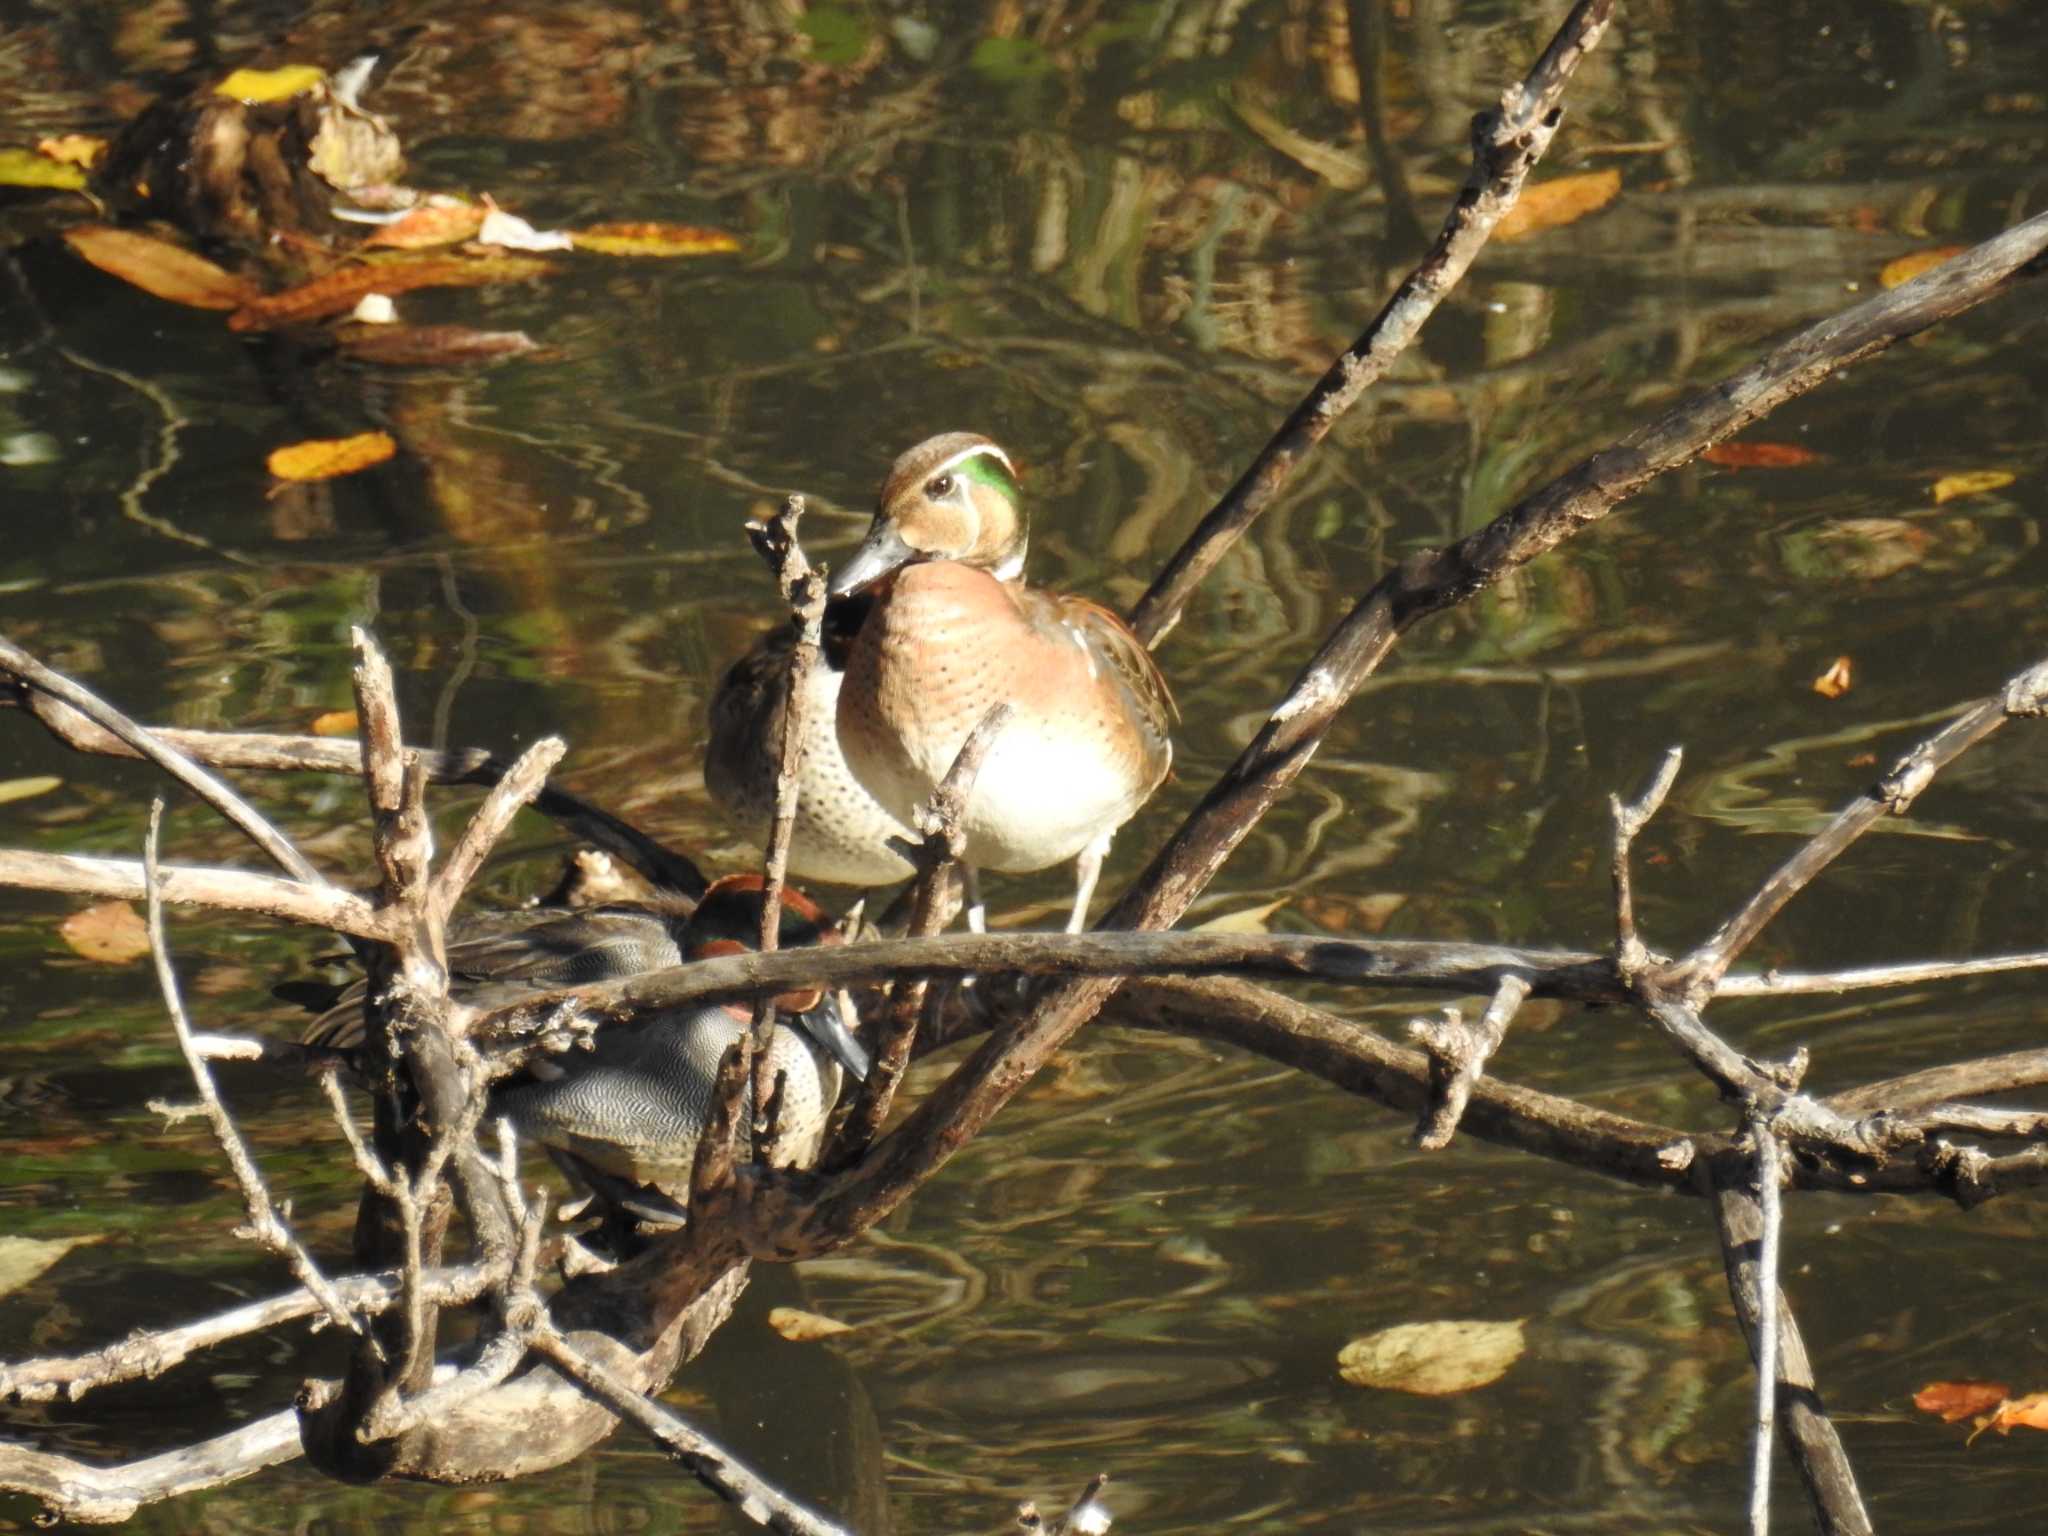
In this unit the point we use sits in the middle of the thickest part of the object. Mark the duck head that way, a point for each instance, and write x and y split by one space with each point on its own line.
952 497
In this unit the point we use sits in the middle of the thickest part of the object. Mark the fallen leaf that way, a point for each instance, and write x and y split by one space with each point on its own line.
1904 269
510 232
1760 455
1252 920
112 932
1553 204
23 1259
323 458
2029 1412
801 1327
158 267
1971 483
1433 1359
260 85
1834 682
440 221
26 168
28 788
336 722
653 240
80 149
1960 1399
337 292
414 346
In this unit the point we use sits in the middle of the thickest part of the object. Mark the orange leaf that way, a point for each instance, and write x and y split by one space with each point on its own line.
1905 268
1972 483
336 722
338 291
653 240
158 267
1552 204
1834 682
1959 1399
80 149
1760 455
2029 1412
324 458
112 932
441 222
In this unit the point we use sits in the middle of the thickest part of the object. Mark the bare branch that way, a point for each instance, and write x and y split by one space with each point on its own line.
1629 820
226 890
1457 1057
1769 1176
521 783
76 1490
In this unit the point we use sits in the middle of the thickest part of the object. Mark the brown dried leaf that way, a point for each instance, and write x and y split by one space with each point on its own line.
1433 1359
416 346
112 933
1960 1399
1553 204
322 458
338 291
442 221
1836 681
801 1327
1250 921
80 149
1905 268
1760 455
336 722
2029 1412
653 240
158 267
1971 483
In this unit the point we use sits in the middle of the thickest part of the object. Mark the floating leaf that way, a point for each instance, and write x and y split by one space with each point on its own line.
1750 455
2029 1412
512 233
1433 1359
1973 482
112 932
336 722
440 221
26 168
801 1327
1955 1400
338 291
415 346
324 458
158 267
29 788
24 1259
653 239
73 148
260 85
1905 268
1250 921
1553 204
1836 681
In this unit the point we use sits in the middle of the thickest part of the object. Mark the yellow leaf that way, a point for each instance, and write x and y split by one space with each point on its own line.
1433 1359
158 267
23 1259
1905 268
801 1327
29 788
653 240
112 932
1836 681
1971 483
259 85
324 458
1553 204
336 722
337 292
1250 921
26 168
80 149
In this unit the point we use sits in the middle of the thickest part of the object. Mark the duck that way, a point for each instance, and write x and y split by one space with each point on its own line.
621 1117
951 628
842 835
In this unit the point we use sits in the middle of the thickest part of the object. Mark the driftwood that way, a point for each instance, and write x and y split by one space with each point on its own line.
553 1373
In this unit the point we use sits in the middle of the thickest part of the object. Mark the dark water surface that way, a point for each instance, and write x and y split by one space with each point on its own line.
1120 238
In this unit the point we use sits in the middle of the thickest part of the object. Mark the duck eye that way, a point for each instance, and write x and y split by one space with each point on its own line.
939 486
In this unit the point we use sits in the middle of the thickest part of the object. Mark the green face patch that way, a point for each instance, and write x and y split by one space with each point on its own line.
986 467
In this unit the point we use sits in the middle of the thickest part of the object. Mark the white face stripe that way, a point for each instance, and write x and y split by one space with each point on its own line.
975 451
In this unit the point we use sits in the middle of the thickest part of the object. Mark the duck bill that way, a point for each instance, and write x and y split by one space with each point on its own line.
881 552
827 1024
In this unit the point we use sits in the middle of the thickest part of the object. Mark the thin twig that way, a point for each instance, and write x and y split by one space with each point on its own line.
1629 820
1769 1172
522 781
223 890
1458 1054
